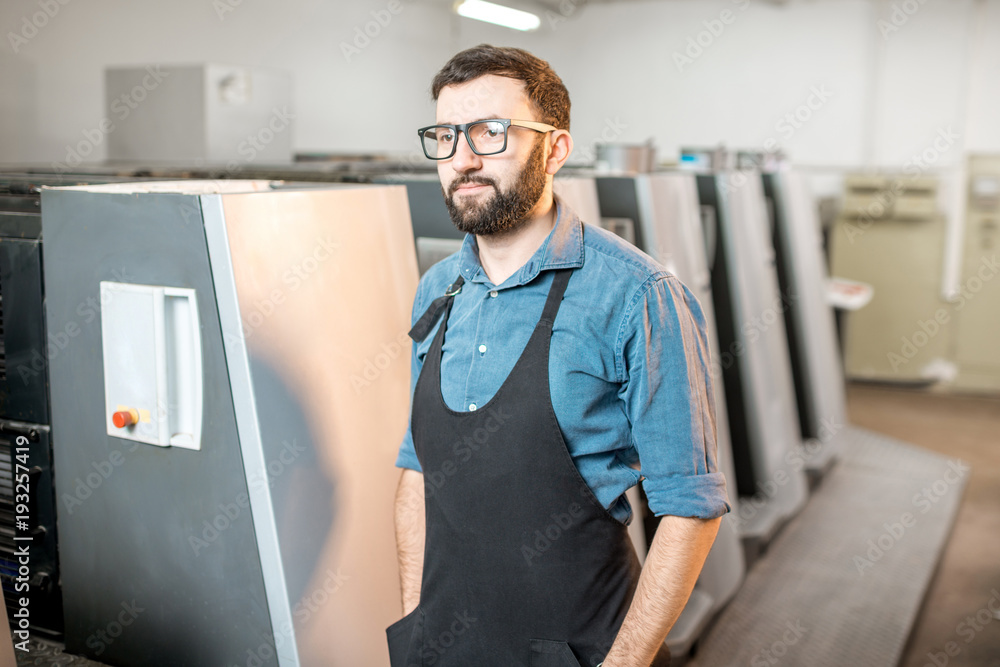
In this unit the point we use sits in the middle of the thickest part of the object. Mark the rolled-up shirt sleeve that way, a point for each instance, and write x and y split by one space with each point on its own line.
407 456
668 397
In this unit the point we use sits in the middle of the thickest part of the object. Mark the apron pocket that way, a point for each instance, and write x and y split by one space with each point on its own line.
549 653
406 640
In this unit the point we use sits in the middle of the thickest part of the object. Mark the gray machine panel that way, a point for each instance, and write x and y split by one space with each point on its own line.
761 399
665 213
434 234
816 362
23 348
427 208
202 599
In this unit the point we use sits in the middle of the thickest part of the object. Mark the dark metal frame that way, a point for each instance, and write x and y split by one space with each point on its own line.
463 128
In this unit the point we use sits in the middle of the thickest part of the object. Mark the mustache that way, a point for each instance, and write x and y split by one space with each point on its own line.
467 180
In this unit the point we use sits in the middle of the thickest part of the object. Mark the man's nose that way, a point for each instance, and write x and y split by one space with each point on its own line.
465 159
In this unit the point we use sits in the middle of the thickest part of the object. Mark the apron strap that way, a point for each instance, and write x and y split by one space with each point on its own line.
559 282
433 312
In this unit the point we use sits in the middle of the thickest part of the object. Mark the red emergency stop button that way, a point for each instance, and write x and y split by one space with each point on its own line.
123 418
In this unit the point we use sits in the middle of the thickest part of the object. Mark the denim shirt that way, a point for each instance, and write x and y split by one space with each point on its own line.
629 370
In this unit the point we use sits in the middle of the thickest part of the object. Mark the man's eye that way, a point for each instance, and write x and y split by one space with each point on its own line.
493 130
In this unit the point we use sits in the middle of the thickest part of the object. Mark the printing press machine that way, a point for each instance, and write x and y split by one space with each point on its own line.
201 336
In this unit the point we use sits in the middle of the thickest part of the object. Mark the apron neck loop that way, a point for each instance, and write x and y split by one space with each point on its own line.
433 313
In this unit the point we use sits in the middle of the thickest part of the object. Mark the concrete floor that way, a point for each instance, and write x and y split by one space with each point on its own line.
968 578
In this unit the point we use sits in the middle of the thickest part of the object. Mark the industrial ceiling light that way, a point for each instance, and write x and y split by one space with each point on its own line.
498 14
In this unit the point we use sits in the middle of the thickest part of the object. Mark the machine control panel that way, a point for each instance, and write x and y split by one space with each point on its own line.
151 341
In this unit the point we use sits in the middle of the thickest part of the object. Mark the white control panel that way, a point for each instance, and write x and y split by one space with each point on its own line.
151 340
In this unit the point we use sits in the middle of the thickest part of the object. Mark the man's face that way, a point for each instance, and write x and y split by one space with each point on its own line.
491 194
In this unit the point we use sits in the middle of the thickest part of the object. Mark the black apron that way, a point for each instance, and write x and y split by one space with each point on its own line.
522 564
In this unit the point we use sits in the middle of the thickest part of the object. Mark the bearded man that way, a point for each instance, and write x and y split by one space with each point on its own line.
554 367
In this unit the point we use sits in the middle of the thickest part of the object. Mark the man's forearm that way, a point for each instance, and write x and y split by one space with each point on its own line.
410 523
672 566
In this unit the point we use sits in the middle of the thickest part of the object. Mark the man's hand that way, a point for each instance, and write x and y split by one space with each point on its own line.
675 559
410 534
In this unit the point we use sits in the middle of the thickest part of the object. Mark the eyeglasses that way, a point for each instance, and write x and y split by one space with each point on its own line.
485 137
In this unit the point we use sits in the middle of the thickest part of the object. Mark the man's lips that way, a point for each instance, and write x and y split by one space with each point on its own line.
471 187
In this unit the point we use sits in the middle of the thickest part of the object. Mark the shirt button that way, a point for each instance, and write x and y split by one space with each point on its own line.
472 406
493 294
482 349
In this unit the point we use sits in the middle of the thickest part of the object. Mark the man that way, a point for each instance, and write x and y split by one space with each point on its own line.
549 359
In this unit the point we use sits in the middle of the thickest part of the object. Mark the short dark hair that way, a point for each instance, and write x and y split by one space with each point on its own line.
544 87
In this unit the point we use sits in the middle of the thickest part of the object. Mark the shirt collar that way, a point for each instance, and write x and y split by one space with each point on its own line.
561 249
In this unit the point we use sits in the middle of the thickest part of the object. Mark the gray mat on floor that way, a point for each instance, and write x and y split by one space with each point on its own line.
844 581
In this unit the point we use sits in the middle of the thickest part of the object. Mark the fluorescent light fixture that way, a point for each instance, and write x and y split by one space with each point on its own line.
508 17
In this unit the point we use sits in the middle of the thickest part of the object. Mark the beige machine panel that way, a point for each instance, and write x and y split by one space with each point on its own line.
885 237
977 338
310 297
6 641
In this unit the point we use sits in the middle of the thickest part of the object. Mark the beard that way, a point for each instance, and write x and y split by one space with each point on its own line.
505 211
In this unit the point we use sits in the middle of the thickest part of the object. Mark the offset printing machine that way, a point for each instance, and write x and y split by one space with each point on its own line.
817 369
25 416
663 216
226 386
754 358
25 410
433 233
662 211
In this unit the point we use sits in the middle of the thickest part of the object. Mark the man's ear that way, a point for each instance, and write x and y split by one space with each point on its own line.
561 146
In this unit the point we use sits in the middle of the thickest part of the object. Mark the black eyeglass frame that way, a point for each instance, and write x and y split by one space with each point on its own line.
463 127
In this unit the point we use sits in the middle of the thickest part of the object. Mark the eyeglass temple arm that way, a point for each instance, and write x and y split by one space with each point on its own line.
532 125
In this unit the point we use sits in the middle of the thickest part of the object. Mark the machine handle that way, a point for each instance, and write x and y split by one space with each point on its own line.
181 367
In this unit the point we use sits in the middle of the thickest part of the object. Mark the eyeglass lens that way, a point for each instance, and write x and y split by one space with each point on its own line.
486 137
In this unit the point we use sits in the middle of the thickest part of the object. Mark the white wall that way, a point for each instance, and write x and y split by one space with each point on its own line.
984 95
889 93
